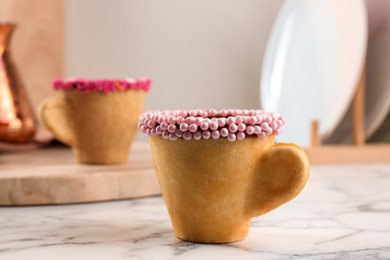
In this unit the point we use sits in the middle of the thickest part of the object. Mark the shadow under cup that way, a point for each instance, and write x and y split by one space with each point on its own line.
99 127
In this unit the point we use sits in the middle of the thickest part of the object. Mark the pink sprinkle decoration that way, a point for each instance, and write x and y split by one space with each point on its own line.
221 122
179 133
231 120
250 130
240 136
192 113
184 127
206 134
180 120
223 112
231 137
239 120
143 128
267 119
224 132
273 125
193 128
165 134
160 119
268 131
102 85
172 137
151 124
213 112
233 128
190 120
172 128
183 113
204 114
171 120
232 124
187 136
199 121
164 126
197 135
241 127
213 125
159 130
204 126
257 130
215 134
252 120
264 126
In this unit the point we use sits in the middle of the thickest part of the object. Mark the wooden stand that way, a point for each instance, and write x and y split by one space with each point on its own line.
358 152
51 176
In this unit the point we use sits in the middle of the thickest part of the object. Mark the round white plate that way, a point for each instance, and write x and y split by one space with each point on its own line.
312 63
378 81
377 92
378 66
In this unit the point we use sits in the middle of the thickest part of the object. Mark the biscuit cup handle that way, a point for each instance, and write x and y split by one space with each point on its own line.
283 170
53 113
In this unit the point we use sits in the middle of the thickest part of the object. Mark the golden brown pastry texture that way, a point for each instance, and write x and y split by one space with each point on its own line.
212 188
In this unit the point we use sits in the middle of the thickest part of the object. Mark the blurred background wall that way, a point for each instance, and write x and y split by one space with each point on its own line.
198 53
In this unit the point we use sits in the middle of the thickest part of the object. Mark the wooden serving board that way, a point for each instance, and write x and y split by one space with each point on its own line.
51 176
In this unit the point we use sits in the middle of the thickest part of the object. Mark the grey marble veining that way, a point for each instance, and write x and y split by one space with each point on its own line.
343 213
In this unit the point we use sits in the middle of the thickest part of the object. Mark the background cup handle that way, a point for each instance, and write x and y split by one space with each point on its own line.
283 170
54 114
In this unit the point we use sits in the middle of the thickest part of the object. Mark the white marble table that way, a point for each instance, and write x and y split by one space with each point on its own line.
344 213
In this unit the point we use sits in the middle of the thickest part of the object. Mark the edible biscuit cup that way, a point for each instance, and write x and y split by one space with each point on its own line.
97 118
218 169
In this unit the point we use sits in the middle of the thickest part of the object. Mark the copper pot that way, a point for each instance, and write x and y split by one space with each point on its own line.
17 122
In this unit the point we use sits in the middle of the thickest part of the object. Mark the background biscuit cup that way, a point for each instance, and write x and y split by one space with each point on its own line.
100 127
212 188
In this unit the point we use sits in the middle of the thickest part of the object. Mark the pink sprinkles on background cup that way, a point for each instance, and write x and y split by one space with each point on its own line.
233 124
102 85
